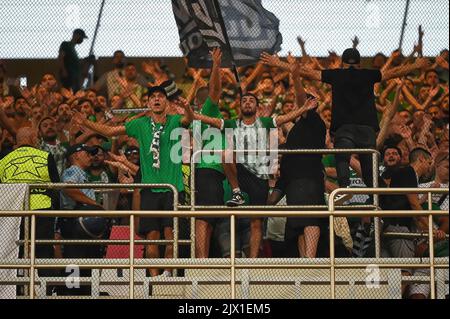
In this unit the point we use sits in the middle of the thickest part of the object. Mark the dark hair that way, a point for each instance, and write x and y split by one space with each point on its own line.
130 64
431 71
117 52
44 119
379 54
86 100
387 147
417 152
252 95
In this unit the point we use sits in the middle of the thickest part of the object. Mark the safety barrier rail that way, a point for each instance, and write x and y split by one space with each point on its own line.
234 263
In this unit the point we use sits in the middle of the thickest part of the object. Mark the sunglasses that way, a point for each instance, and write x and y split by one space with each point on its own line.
132 152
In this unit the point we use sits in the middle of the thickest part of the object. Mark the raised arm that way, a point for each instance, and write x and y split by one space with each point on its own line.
188 116
400 71
388 116
103 129
309 105
215 82
256 72
300 93
213 122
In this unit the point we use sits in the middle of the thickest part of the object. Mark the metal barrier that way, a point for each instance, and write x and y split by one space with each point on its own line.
375 172
33 243
391 191
233 263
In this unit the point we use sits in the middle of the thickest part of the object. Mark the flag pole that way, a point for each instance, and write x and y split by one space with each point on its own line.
90 78
216 6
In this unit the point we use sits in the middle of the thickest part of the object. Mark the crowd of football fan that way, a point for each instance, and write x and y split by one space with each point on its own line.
89 142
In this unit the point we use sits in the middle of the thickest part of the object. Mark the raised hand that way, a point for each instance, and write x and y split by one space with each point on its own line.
355 42
271 60
80 94
310 104
435 91
301 41
78 119
216 55
290 58
423 63
118 158
68 94
405 132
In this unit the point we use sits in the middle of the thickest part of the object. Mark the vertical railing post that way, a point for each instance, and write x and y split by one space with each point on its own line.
131 273
233 255
193 239
431 247
32 255
376 220
332 260
175 228
26 234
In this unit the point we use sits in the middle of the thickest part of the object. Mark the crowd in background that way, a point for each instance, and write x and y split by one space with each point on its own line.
412 111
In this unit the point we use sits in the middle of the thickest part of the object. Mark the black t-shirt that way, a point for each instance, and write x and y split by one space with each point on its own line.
71 60
308 133
353 96
404 177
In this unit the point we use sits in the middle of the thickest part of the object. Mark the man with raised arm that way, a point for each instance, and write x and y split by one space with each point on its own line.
157 137
209 175
252 172
354 116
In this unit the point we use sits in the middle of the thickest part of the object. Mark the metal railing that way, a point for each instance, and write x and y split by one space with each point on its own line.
233 263
375 173
391 191
33 241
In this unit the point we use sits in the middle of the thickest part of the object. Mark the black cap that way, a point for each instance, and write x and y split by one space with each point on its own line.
81 33
351 56
81 147
172 90
152 90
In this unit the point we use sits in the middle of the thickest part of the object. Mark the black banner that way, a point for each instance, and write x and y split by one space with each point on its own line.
242 26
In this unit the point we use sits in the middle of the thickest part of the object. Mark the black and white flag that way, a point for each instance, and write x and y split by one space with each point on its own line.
242 26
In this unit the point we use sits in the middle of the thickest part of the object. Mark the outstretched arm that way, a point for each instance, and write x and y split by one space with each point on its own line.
103 129
309 105
213 122
400 71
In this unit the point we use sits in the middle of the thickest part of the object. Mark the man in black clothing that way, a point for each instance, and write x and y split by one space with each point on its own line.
303 180
69 63
354 117
421 166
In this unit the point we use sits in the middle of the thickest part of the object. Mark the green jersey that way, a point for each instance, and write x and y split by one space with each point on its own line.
169 171
210 139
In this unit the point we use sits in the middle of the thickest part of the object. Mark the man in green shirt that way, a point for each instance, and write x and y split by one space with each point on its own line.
158 136
209 174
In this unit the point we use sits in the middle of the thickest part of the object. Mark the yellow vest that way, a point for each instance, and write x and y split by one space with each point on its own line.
28 165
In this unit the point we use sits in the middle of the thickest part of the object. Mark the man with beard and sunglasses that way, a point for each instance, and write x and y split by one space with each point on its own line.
50 142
